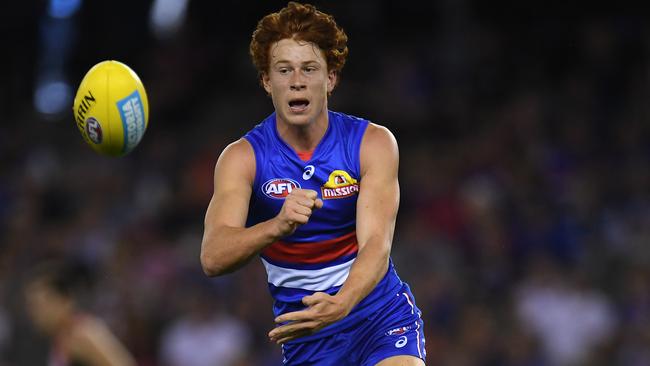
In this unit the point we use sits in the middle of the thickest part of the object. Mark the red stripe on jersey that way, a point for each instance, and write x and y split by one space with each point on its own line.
314 252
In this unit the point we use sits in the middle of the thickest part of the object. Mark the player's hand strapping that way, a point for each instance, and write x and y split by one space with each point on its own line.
322 310
297 209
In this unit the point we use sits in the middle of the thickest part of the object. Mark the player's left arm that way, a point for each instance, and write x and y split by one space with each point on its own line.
377 206
376 214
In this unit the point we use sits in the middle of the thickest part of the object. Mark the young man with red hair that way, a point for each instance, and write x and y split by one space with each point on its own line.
315 194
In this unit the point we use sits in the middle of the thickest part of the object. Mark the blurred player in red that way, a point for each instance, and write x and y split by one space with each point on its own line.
315 194
78 338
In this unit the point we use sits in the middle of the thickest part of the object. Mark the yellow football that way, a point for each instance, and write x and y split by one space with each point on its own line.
111 108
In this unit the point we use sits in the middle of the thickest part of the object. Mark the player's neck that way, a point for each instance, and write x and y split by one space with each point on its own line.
303 138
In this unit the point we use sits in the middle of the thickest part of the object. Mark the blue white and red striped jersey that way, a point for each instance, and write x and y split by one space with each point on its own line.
318 256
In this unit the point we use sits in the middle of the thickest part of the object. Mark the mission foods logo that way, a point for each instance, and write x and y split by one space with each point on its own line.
339 185
279 188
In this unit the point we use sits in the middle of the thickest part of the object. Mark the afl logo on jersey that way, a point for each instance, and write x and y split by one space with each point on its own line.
279 187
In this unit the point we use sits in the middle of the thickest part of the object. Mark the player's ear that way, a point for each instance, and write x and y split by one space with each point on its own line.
332 78
266 82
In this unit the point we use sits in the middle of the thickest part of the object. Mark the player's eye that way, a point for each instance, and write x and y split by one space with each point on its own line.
310 69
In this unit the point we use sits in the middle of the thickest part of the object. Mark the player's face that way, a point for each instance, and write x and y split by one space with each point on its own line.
298 82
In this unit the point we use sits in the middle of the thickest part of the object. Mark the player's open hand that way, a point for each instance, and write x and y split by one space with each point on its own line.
322 310
297 209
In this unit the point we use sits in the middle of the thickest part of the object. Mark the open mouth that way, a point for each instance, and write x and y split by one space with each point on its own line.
298 105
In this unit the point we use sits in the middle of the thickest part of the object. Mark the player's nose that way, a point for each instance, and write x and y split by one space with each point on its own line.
297 81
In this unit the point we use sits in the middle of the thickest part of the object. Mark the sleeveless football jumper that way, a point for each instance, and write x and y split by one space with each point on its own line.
318 256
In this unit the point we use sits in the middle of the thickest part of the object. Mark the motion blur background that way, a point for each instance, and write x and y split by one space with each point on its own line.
524 227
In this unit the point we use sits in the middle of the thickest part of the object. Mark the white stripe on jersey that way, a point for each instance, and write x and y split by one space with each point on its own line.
308 279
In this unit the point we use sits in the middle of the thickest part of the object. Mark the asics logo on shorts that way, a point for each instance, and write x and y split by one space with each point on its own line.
401 342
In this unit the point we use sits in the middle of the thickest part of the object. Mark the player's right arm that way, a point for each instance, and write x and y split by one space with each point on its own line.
227 244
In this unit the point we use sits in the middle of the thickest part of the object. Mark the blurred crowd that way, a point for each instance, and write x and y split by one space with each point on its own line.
524 226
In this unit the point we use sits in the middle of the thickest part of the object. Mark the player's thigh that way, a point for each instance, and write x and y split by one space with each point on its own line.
402 360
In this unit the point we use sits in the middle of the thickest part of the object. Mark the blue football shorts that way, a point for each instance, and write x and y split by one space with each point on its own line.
395 329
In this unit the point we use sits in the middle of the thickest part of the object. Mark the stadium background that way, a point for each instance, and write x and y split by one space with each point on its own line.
524 227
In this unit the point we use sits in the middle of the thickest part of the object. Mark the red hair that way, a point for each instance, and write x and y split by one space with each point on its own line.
301 22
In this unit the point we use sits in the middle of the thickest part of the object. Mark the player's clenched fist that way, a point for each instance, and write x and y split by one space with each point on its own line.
297 209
